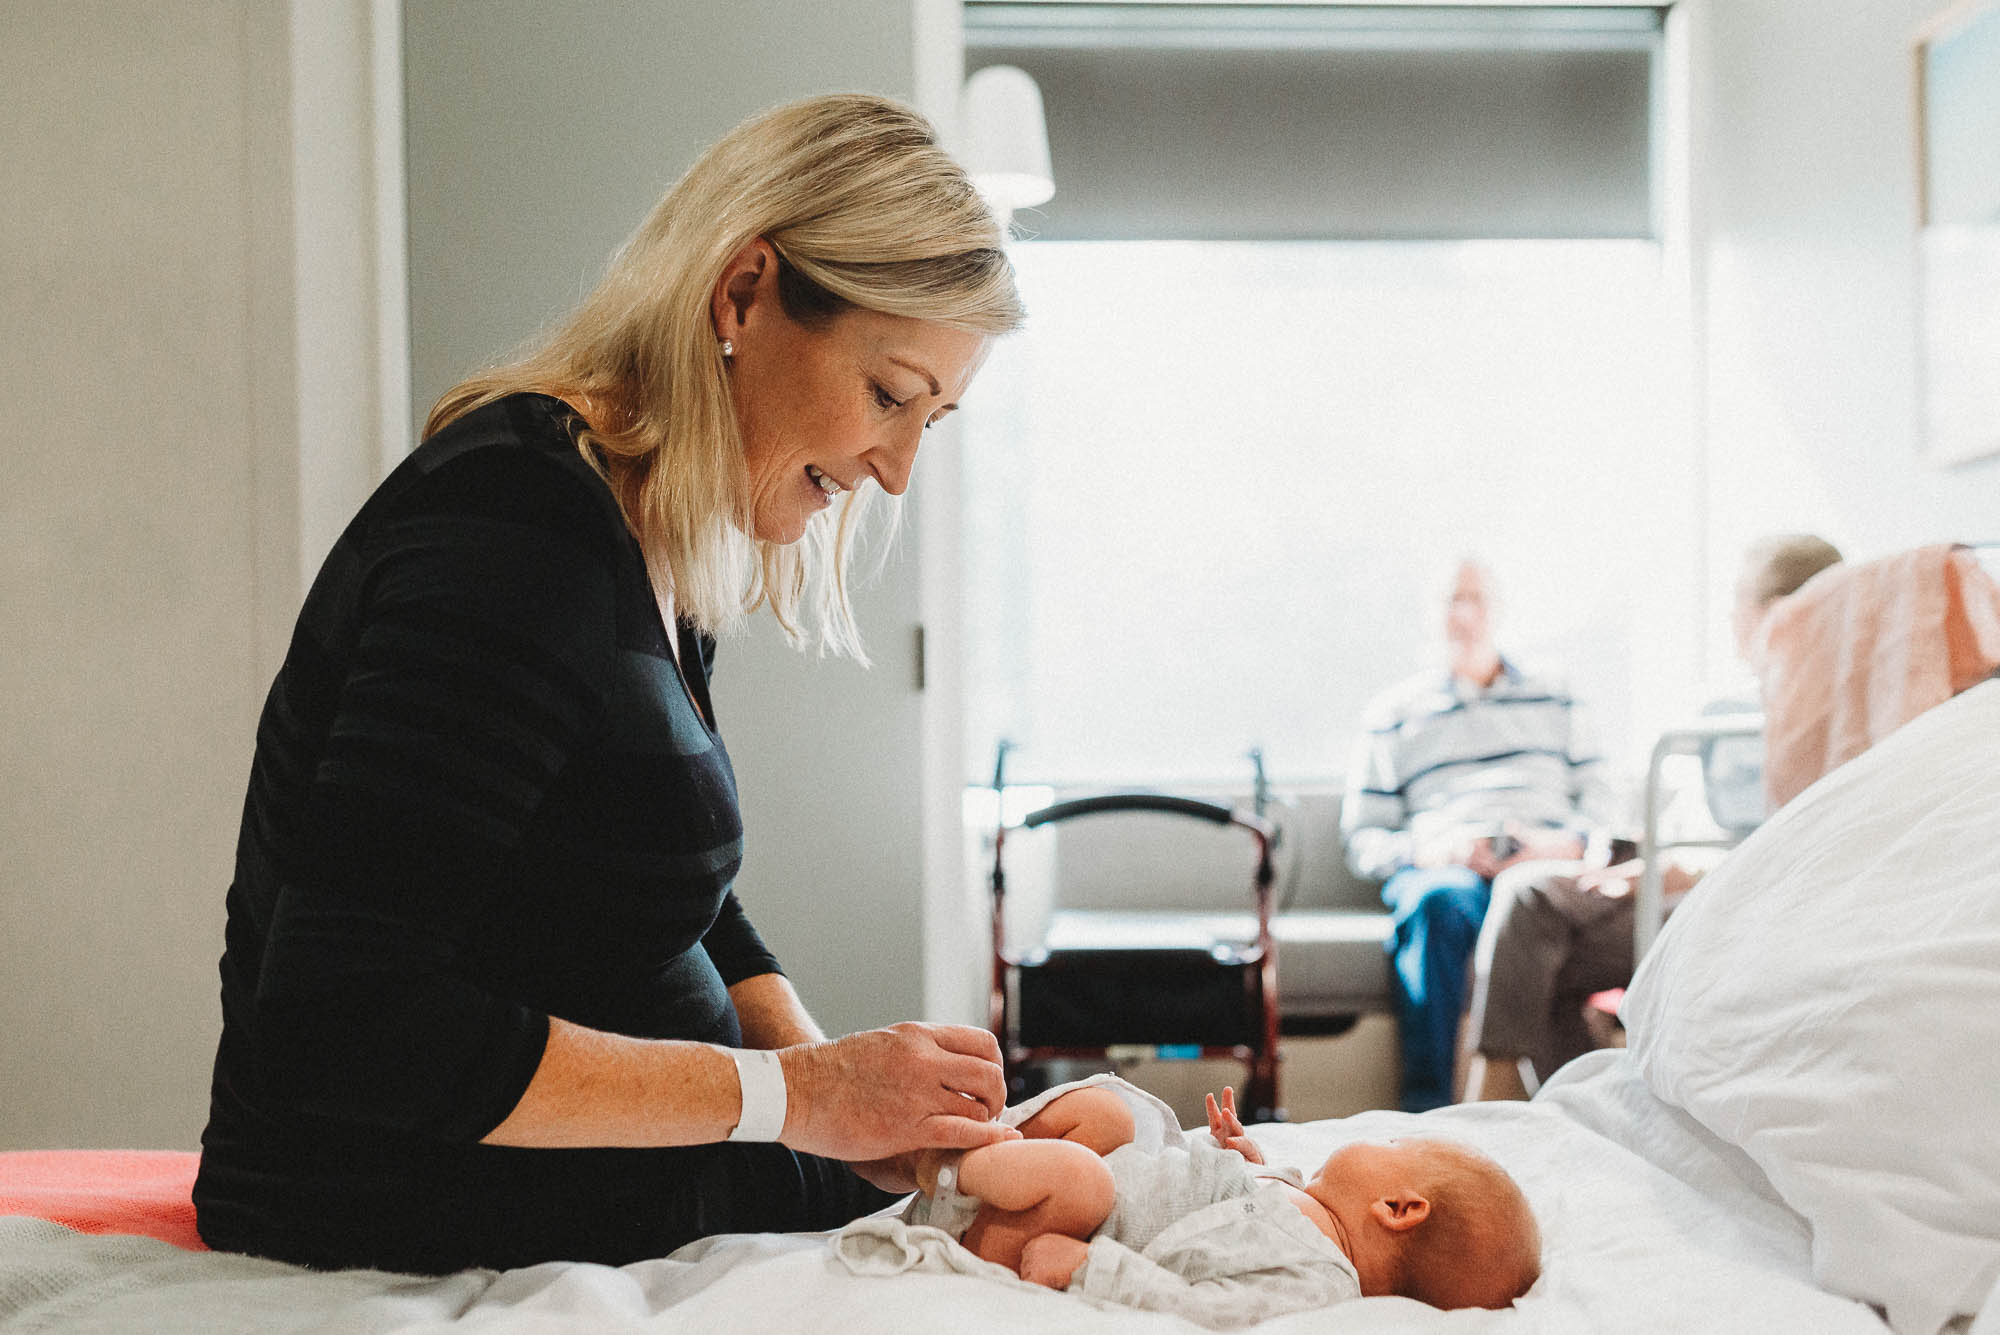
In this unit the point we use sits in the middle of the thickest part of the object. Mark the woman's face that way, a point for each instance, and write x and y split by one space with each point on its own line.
824 410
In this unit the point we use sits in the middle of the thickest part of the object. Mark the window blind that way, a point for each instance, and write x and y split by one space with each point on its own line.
1347 122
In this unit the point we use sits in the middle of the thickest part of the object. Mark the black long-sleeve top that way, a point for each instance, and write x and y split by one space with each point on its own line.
482 795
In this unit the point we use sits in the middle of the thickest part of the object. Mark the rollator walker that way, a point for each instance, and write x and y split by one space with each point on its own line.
1093 989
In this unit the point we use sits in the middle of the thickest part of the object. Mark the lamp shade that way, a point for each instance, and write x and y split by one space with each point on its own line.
1006 137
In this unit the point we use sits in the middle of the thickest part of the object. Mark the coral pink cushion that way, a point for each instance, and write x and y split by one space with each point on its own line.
149 1192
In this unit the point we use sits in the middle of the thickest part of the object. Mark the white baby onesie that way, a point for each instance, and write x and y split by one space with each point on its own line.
1194 1233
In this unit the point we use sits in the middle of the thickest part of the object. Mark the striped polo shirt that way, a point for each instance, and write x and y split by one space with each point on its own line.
1440 758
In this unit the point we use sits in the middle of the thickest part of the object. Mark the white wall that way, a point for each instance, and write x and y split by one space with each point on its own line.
148 563
1805 158
192 251
350 341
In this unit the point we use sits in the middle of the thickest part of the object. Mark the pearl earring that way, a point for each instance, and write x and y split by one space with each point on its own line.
728 349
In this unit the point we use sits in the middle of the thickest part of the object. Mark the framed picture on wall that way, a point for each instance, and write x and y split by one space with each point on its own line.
1957 57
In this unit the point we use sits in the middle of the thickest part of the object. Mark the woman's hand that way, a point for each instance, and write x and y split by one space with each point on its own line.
1604 884
872 1097
1542 845
1533 843
1483 859
1623 879
1051 1259
1227 1128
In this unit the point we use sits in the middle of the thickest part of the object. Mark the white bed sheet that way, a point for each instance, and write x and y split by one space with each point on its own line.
1650 1224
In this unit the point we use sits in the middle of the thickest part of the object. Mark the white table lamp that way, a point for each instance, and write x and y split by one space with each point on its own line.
1006 137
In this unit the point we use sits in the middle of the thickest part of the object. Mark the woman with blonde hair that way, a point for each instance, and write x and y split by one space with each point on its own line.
488 996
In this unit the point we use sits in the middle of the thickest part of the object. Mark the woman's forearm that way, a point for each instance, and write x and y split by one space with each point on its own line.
595 1089
771 1014
861 1098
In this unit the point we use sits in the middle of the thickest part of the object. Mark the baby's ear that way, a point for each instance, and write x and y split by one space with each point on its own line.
1400 1211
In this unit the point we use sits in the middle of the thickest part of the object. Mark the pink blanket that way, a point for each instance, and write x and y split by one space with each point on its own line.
1862 649
105 1191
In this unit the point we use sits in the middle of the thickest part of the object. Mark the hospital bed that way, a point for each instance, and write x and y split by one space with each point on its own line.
1798 1135
1696 738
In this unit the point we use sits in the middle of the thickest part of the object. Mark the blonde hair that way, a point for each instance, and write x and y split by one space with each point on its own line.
865 209
1776 566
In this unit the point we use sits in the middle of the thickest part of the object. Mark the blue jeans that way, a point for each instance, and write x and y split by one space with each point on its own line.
1437 913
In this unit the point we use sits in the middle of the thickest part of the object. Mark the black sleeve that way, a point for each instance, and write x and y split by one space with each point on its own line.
487 638
734 946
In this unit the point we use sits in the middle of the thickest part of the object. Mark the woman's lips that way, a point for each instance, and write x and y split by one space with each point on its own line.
826 486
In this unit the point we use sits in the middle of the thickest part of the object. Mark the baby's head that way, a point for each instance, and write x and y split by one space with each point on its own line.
1432 1220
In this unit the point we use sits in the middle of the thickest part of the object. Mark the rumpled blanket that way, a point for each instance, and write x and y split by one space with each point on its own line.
1861 649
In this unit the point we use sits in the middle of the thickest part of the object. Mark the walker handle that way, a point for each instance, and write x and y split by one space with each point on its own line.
1159 802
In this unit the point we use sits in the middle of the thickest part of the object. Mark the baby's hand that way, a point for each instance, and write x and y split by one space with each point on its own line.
1227 1129
1049 1259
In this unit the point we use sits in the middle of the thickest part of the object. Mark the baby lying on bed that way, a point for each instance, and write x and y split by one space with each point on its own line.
1198 1231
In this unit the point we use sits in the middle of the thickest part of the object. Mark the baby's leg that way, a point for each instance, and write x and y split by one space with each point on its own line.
1093 1116
1032 1187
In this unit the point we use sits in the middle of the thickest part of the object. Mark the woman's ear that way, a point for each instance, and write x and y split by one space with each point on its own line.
750 277
1400 1211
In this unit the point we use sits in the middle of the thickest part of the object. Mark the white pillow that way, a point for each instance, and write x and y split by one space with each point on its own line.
1829 1000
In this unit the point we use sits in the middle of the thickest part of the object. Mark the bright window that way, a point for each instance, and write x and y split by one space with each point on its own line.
1211 489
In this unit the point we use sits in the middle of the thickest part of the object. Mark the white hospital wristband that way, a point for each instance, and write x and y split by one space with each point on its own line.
762 1081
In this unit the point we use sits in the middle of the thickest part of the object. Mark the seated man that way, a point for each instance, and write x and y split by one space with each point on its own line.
1557 932
1459 774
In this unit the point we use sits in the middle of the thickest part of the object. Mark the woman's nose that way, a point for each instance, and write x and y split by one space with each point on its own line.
893 462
